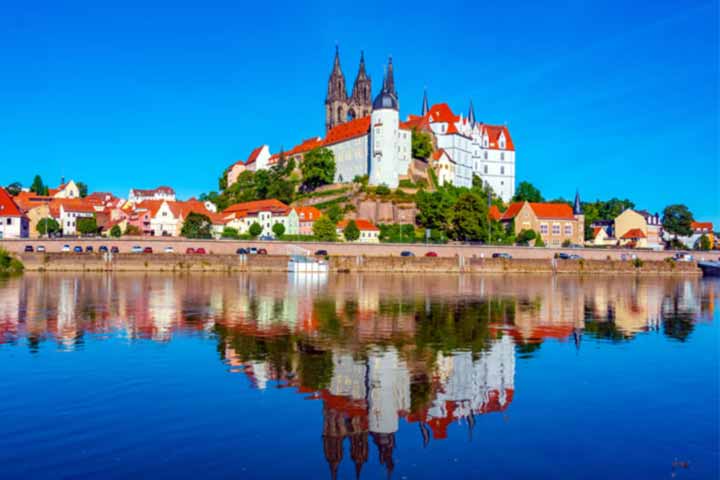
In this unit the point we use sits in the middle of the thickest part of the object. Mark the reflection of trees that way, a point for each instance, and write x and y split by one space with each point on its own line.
602 325
315 367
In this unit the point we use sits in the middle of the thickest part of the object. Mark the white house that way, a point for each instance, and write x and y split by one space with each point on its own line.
266 213
137 195
369 233
70 211
444 167
65 190
13 222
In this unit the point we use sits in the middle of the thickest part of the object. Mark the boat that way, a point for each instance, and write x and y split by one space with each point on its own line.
306 264
710 269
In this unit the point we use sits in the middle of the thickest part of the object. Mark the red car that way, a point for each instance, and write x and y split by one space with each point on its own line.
431 254
189 251
147 250
262 251
200 251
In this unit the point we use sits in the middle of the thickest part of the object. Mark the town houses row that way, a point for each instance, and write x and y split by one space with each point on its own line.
368 138
154 212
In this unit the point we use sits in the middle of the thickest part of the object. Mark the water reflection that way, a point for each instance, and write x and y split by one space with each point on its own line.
432 350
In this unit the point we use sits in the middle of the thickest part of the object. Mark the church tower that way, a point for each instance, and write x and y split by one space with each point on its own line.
336 100
360 100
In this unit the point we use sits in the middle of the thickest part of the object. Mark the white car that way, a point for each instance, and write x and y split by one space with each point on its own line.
137 249
40 248
66 248
169 250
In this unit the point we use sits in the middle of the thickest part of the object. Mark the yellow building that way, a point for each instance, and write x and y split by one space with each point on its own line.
638 229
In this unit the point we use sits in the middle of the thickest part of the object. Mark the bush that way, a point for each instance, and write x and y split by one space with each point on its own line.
566 243
47 226
115 231
324 229
406 183
382 190
351 232
9 265
255 230
539 242
278 229
230 232
525 236
637 262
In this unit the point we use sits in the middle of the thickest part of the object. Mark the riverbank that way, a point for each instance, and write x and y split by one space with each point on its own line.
128 262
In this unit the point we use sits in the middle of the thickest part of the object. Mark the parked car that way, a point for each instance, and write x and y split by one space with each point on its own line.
501 255
114 249
407 253
40 248
147 250
200 251
29 248
568 256
321 253
261 251
253 250
103 249
266 238
66 248
169 249
431 254
241 251
683 257
189 251
89 248
77 249
136 249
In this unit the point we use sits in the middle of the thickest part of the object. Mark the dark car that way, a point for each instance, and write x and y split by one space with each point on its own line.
189 251
321 253
147 250
200 251
261 251
407 253
502 255
568 256
77 249
431 254
267 238
103 249
29 248
114 249
89 249
241 251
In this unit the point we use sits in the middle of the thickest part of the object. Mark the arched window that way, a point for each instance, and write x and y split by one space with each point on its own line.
340 118
350 115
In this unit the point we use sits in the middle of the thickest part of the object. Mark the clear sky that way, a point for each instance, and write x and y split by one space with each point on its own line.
615 98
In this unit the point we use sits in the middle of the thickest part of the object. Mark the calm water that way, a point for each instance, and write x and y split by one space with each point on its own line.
270 376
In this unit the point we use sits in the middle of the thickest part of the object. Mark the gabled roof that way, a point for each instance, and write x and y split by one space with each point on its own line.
305 146
276 207
494 132
494 213
348 130
8 207
362 224
77 205
254 155
306 214
149 193
633 234
702 226
557 211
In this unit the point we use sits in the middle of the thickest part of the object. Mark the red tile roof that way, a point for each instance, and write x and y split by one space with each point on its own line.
512 210
149 193
633 234
74 205
560 211
362 224
702 226
597 230
28 200
253 155
348 130
441 112
305 146
494 132
254 207
494 213
307 214
8 207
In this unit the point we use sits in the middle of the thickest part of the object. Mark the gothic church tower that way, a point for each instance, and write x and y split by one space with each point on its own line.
338 107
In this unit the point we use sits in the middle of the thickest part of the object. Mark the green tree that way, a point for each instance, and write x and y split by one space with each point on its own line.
279 230
527 192
230 232
422 146
197 225
115 231
703 243
47 226
539 242
14 188
382 190
318 168
335 213
38 187
677 220
132 230
324 229
433 208
255 230
351 232
469 218
87 225
82 189
525 236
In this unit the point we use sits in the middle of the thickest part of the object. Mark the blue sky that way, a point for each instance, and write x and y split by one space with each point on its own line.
614 98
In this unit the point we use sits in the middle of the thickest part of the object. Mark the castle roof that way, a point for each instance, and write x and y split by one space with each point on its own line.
346 131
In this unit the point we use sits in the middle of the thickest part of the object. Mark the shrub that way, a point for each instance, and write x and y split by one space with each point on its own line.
278 229
115 231
255 230
539 242
637 262
382 190
9 264
566 243
230 232
351 232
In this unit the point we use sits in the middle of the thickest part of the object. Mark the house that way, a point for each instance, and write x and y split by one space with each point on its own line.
633 238
13 222
369 233
137 195
601 236
36 207
557 223
306 219
65 190
258 159
648 224
266 213
68 211
443 166
698 230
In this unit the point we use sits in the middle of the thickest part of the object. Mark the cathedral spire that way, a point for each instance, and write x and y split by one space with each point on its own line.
471 115
336 65
425 108
362 90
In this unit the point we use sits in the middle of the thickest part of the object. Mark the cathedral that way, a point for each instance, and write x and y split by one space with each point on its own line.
339 108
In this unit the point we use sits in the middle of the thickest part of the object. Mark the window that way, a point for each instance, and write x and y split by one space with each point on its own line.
502 155
556 229
485 169
568 229
9 221
543 229
485 155
502 170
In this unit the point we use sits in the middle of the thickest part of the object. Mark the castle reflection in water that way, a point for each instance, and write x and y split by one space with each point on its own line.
431 350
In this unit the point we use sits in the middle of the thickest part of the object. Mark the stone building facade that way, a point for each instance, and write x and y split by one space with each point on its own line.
339 108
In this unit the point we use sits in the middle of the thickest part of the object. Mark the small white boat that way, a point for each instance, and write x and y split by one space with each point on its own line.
305 264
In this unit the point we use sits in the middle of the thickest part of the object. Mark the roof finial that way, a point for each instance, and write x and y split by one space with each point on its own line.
425 107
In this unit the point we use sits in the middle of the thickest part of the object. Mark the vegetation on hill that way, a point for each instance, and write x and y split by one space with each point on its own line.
318 168
9 265
421 144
